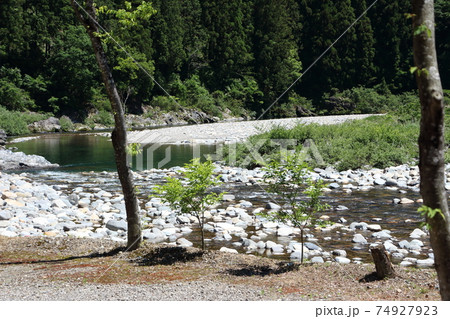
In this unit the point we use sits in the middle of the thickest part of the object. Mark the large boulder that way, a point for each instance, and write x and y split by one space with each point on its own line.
49 125
18 160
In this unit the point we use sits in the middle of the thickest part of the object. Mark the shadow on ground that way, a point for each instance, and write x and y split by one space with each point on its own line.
248 271
110 253
167 256
370 277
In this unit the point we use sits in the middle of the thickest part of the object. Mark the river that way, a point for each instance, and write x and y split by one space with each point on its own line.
87 152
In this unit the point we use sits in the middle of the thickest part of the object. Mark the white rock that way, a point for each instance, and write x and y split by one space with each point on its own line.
284 231
169 231
58 203
389 246
317 260
417 233
425 263
359 239
40 221
261 245
340 252
277 249
8 233
406 263
374 227
183 242
270 225
405 200
228 250
342 260
270 244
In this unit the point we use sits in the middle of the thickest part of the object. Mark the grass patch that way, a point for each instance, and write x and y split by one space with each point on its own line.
378 141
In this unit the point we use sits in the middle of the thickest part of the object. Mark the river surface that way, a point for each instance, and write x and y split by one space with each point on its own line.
91 152
86 152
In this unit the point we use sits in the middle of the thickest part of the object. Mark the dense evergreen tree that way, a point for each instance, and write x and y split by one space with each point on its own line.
364 47
228 51
325 21
276 53
235 53
393 51
194 39
168 33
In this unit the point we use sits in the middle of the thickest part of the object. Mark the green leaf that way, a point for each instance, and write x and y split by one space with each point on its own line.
421 29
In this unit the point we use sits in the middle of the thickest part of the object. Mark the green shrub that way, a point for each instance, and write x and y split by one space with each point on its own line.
89 121
447 98
105 118
194 196
66 124
289 179
16 123
100 100
102 117
165 103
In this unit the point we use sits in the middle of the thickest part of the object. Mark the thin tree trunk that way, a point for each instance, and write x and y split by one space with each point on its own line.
119 134
201 223
382 262
302 241
431 139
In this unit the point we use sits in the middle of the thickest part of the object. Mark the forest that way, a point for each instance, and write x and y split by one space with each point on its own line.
232 56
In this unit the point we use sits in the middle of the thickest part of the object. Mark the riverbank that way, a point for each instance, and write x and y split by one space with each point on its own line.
228 132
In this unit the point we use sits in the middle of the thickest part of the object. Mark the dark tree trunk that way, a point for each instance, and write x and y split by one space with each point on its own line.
431 139
382 262
119 134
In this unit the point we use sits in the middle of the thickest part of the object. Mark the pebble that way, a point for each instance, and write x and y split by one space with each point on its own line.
317 260
417 233
115 225
359 239
228 250
342 260
183 242
273 206
5 215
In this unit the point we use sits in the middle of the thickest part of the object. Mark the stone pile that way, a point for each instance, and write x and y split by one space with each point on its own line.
93 209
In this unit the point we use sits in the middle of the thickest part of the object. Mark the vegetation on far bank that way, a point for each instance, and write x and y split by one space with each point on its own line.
235 57
378 141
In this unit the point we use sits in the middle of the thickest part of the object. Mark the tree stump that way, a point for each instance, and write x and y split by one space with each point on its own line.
382 262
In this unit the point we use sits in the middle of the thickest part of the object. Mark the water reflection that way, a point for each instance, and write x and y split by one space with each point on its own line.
88 152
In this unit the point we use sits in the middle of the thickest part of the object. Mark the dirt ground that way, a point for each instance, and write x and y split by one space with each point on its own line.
85 261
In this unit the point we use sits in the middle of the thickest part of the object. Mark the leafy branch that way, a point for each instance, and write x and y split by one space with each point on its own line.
429 213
